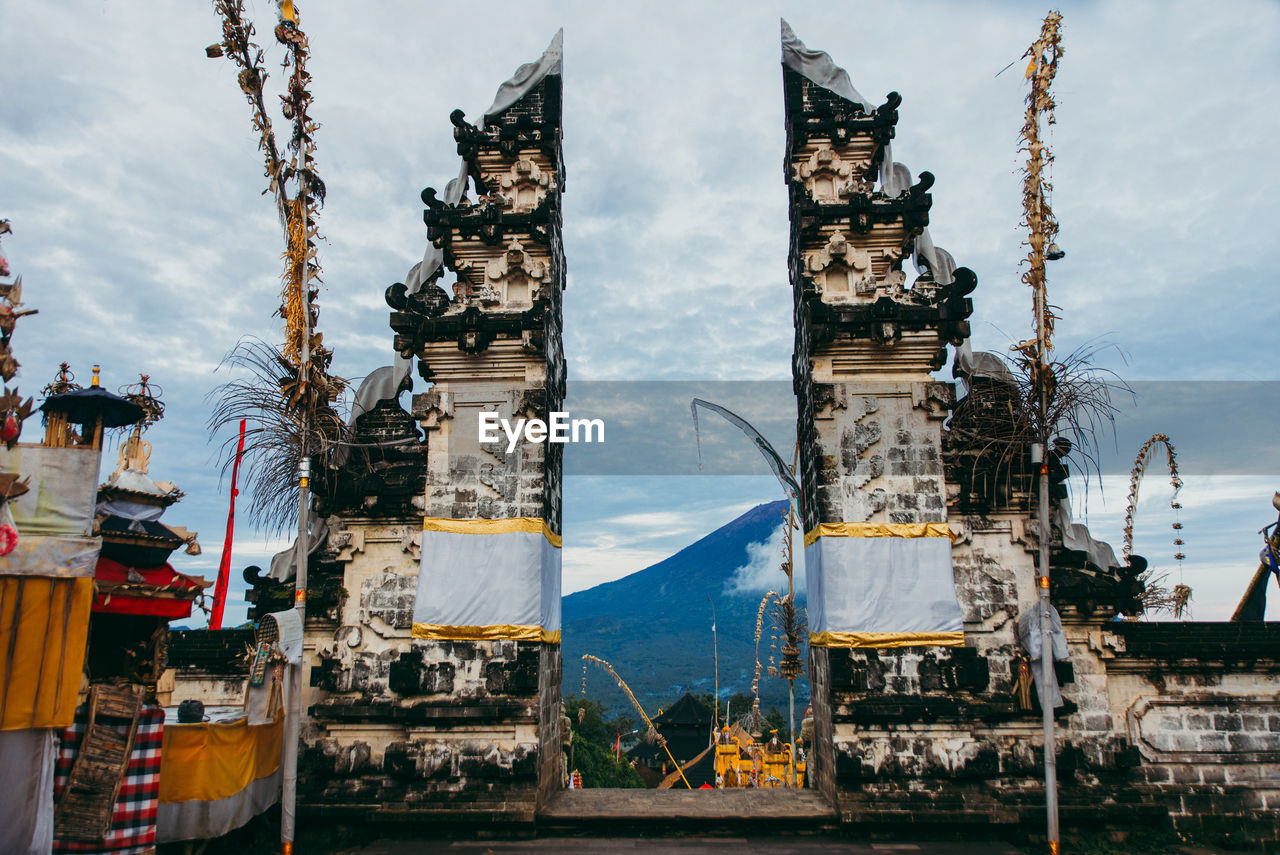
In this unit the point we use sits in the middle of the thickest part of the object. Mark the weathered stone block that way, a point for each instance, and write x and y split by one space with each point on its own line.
518 677
1212 742
1198 721
410 675
1212 774
1248 742
1227 722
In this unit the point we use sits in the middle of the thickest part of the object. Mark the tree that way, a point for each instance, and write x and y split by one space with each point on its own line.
593 741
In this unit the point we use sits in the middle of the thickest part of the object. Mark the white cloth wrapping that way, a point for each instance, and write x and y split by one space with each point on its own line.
289 626
130 510
62 488
54 518
1032 641
895 178
940 262
882 585
508 581
969 365
284 564
818 66
195 820
58 557
529 75
138 482
26 811
1077 538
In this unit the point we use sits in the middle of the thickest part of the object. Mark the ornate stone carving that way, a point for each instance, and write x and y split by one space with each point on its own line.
525 185
936 399
411 543
829 177
345 543
516 275
511 281
841 271
431 408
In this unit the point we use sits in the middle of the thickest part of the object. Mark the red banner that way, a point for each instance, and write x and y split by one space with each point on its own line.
224 566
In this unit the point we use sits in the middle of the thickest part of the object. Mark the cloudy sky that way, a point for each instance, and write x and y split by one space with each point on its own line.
133 184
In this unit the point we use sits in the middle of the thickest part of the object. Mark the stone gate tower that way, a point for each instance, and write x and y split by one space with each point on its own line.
919 549
436 688
877 544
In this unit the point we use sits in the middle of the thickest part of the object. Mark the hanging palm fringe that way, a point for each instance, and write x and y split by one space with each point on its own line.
269 394
764 603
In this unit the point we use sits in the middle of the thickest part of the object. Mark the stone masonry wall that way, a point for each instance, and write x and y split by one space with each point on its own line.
877 446
398 726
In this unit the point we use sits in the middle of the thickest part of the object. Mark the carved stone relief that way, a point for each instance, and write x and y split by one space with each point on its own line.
829 177
841 271
525 185
512 280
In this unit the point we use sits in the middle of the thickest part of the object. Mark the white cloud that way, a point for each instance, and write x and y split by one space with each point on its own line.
763 570
587 566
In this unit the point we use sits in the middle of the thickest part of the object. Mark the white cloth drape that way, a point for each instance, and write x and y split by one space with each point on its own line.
881 586
505 579
26 811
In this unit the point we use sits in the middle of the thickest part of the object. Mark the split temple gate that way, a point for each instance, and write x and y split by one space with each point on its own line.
432 647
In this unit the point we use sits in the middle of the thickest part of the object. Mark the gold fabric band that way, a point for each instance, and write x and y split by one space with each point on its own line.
493 632
933 529
210 761
886 639
532 525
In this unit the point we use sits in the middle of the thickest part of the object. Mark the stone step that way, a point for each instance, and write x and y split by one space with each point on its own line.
661 812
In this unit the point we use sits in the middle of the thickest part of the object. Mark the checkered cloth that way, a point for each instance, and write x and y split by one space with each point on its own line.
133 820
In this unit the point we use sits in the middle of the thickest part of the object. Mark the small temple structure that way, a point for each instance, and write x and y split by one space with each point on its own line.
685 726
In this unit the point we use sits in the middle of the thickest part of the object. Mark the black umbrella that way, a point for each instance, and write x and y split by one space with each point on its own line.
88 406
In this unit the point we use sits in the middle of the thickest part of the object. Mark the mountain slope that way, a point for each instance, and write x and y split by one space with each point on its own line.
654 626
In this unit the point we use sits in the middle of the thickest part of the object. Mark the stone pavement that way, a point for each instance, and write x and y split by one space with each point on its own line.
681 846
686 805
672 813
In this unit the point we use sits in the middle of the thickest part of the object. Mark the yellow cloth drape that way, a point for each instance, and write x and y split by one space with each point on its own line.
534 525
933 529
215 760
44 628
492 632
886 639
